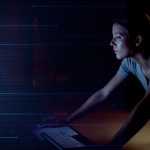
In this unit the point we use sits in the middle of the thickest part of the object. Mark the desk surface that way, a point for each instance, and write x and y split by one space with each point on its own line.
101 125
98 126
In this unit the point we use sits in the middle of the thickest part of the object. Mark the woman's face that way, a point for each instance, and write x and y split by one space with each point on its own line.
120 41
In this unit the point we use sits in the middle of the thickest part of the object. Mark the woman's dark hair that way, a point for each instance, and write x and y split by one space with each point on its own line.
122 22
137 24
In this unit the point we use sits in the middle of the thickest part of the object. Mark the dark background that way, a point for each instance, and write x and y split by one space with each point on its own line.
57 45
55 50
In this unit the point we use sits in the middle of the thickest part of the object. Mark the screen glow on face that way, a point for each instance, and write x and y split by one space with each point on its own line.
120 41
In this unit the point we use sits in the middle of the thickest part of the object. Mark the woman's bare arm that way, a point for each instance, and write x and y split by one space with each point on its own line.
97 98
137 119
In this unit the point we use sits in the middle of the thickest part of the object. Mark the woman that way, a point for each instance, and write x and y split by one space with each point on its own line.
130 44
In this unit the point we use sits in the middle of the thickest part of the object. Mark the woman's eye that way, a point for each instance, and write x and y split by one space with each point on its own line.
118 37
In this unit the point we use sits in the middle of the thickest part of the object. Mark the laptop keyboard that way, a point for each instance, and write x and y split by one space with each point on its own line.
62 138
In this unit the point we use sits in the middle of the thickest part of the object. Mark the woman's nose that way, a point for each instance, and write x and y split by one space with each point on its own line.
111 42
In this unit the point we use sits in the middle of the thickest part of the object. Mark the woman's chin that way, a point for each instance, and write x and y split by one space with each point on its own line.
119 57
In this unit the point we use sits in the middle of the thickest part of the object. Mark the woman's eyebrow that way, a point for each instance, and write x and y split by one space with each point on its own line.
118 34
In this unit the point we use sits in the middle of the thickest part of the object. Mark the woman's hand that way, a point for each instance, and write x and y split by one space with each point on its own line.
53 121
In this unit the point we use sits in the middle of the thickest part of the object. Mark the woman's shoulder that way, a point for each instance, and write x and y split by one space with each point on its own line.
129 61
131 64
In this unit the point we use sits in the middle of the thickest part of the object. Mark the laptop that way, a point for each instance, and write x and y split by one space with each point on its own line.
62 137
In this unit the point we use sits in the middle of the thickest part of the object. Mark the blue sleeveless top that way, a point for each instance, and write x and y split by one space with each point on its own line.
130 67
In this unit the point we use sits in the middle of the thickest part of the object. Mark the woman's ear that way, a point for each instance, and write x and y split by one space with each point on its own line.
138 40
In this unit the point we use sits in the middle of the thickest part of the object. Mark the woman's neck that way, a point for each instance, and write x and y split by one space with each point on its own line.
144 62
